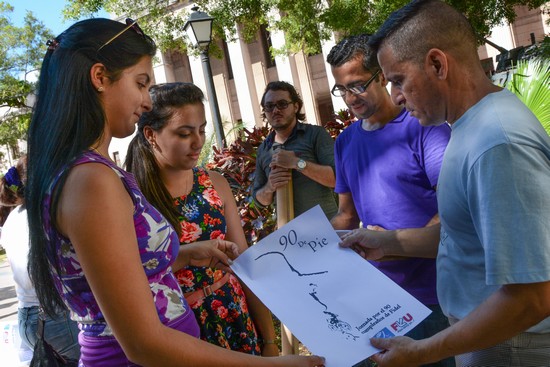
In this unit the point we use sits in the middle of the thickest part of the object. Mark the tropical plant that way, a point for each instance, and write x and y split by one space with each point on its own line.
340 121
206 151
237 163
530 81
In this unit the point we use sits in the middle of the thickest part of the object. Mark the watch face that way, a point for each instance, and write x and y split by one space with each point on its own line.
301 164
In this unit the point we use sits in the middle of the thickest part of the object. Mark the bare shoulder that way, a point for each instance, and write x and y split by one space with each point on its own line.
218 180
92 188
221 185
91 179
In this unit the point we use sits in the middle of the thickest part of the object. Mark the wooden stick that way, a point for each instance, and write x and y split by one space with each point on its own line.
285 213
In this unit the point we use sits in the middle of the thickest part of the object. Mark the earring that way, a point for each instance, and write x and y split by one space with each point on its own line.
100 89
154 145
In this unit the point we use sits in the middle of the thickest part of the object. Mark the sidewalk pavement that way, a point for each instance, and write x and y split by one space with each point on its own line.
8 298
13 354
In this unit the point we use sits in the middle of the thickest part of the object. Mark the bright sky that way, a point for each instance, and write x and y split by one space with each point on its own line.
47 11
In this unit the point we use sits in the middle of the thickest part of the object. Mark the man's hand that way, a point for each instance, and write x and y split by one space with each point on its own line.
278 177
400 351
284 159
376 243
370 244
376 228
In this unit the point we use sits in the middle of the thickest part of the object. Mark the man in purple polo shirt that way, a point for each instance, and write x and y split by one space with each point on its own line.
387 166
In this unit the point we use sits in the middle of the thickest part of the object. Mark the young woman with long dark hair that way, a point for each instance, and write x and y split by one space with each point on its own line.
97 245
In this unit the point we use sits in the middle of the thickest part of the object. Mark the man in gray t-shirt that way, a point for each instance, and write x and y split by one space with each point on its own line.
493 263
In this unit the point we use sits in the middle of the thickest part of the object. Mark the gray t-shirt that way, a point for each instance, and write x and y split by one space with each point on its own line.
494 200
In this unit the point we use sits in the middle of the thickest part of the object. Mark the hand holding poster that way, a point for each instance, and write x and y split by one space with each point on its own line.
331 299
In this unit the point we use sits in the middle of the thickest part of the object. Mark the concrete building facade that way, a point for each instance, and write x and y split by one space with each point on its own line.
529 28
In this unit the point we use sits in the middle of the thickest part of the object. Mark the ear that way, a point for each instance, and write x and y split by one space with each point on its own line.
98 75
296 107
149 134
383 80
437 63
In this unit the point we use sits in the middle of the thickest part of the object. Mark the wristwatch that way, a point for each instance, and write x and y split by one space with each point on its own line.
301 164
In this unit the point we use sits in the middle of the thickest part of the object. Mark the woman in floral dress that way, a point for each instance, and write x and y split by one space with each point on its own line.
200 205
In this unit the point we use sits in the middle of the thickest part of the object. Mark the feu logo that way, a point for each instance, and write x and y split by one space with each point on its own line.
402 323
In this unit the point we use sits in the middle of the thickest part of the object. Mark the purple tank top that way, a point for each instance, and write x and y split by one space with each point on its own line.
158 246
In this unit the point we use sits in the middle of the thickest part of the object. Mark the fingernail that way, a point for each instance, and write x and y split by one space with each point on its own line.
230 262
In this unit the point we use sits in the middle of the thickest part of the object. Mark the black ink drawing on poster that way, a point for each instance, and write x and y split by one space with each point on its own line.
334 323
292 268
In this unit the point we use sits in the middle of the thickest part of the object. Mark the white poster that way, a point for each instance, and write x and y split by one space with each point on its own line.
331 299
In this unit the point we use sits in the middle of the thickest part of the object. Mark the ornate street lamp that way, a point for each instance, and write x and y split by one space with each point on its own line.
199 30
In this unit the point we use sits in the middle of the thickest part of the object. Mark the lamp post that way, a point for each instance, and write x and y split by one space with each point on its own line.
199 30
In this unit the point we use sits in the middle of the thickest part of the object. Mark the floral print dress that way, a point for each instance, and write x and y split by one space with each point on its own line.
223 316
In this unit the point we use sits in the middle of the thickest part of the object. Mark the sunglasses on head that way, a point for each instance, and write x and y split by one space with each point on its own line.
130 23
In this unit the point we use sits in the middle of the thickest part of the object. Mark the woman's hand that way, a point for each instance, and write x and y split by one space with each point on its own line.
301 361
215 253
270 350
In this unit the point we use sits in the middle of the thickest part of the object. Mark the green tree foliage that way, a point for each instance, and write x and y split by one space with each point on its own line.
22 49
156 17
305 22
543 49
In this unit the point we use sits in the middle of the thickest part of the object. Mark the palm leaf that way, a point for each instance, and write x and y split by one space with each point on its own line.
531 83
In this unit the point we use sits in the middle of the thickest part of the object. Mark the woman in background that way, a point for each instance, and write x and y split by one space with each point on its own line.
200 205
97 245
59 331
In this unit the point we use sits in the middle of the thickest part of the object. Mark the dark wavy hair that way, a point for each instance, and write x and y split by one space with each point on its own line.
354 47
140 159
294 97
67 119
12 188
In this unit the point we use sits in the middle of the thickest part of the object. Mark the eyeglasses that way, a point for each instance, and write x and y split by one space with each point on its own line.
340 91
281 105
129 24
